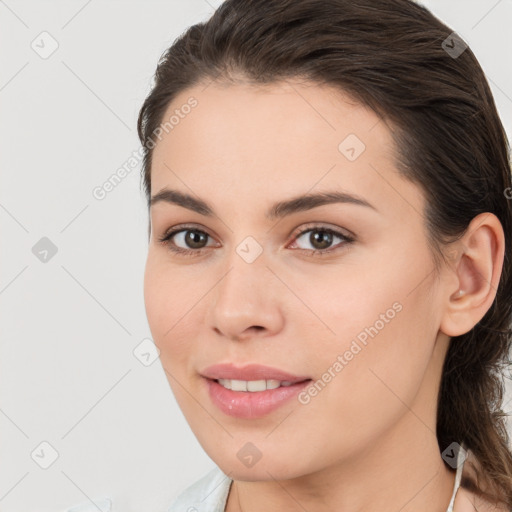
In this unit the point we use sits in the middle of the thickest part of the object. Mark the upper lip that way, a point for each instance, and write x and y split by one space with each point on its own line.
249 372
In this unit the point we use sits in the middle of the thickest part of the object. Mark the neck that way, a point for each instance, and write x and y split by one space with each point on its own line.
398 475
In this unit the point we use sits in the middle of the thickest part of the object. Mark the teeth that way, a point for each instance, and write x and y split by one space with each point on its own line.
273 384
225 383
239 385
252 385
256 385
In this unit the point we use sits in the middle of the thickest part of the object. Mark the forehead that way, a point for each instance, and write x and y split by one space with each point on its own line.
286 118
274 140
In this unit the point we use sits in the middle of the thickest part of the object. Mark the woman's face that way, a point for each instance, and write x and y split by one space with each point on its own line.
336 292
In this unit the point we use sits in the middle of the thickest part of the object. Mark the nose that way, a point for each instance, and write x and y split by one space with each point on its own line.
246 301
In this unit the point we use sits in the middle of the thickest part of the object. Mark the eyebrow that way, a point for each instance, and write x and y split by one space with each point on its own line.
277 211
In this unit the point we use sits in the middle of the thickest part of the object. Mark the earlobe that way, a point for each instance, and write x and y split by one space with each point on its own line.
477 263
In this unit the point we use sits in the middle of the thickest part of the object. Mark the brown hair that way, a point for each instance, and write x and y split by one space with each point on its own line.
392 56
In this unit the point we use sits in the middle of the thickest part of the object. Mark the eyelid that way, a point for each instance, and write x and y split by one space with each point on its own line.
183 227
323 226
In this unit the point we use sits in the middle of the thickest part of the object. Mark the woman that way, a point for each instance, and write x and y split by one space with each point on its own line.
329 269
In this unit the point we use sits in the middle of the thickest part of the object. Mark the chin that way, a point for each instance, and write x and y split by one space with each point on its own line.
260 472
270 465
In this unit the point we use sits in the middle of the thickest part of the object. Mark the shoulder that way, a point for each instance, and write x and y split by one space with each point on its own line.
208 494
466 499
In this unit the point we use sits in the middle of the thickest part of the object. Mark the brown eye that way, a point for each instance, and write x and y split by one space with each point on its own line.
195 239
318 240
186 240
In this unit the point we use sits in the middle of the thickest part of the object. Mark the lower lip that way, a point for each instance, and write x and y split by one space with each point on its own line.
251 404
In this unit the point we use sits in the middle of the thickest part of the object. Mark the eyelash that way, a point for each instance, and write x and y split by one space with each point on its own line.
346 240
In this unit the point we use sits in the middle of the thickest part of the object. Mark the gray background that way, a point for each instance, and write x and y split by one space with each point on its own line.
68 374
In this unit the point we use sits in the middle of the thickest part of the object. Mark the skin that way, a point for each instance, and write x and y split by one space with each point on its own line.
367 440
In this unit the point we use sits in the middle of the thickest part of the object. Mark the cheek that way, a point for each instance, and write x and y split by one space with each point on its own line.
382 296
382 381
384 325
157 299
169 307
173 320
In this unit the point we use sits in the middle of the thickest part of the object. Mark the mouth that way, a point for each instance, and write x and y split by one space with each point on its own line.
250 373
252 391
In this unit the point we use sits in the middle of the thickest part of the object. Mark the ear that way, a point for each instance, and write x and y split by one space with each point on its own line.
474 274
